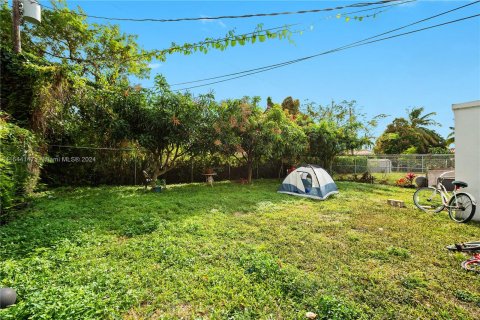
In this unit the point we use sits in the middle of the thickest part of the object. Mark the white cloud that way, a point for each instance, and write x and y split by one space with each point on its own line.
154 65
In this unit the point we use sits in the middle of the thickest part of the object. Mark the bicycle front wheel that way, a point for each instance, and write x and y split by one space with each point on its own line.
471 265
428 199
461 208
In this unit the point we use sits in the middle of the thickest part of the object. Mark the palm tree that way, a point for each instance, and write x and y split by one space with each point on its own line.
419 123
417 120
450 137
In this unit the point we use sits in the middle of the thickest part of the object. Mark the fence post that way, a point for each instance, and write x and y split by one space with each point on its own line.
229 177
191 171
135 174
355 165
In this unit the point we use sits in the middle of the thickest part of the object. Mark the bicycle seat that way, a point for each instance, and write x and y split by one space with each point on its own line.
460 184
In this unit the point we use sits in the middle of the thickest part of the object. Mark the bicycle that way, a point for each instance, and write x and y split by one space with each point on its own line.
472 264
461 205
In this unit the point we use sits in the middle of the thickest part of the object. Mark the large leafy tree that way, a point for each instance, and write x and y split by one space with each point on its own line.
397 138
325 142
290 141
335 129
168 126
245 132
350 123
101 53
420 122
411 135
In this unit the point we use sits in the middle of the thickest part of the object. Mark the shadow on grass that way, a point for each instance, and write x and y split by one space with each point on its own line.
67 214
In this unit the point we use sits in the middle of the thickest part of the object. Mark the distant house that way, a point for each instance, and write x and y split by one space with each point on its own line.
363 152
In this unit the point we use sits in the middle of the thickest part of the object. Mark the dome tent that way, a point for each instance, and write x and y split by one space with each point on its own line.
309 181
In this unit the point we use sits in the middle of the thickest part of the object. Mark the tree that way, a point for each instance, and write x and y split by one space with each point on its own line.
326 141
290 141
167 125
105 53
269 103
451 137
245 132
77 54
351 124
420 123
412 135
397 138
102 53
293 106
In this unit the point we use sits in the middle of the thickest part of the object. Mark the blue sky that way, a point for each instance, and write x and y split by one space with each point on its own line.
434 68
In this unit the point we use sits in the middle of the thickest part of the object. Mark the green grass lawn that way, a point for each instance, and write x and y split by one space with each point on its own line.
234 251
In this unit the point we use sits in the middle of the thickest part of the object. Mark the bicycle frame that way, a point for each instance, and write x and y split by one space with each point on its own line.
440 188
446 196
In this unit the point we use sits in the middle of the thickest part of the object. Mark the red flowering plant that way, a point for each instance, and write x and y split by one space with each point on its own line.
407 181
410 176
401 182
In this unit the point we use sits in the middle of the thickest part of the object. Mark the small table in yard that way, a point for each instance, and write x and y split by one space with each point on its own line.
209 178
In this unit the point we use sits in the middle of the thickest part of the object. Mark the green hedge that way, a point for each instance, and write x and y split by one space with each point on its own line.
19 164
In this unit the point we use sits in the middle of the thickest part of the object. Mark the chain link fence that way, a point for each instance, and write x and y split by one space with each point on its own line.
75 166
391 163
83 166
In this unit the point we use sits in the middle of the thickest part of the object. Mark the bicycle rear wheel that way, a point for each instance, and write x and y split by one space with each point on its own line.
461 208
471 265
428 199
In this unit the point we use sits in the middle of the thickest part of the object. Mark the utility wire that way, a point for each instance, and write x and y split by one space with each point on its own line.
268 67
379 7
354 5
200 44
332 51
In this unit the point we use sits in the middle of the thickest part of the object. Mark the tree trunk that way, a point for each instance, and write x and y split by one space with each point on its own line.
280 172
250 171
330 165
154 177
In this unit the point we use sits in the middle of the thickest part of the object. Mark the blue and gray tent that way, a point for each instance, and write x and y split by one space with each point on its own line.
309 181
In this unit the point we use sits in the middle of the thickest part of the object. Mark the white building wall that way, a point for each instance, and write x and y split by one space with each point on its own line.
467 148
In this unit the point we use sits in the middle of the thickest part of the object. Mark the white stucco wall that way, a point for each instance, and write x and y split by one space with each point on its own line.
467 148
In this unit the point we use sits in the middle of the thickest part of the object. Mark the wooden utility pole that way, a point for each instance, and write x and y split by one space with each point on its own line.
16 18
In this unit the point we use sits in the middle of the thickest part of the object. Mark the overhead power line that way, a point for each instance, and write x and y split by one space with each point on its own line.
348 46
208 41
252 15
332 51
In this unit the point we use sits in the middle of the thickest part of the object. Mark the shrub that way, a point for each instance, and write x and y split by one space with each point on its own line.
366 177
19 163
407 181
